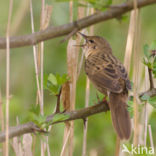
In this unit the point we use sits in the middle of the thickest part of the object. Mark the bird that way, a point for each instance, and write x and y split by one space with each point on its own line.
109 77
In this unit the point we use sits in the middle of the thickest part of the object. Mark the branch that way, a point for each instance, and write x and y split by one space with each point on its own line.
30 127
53 32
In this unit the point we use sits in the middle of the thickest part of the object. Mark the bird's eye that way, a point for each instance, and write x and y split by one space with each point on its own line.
91 41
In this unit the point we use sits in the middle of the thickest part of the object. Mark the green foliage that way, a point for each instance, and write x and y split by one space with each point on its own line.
98 4
149 59
60 117
36 117
53 82
150 100
131 107
40 120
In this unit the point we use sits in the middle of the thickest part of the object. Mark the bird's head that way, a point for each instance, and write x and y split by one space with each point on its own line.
93 44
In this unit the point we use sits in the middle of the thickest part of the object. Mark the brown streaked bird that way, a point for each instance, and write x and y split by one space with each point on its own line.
109 76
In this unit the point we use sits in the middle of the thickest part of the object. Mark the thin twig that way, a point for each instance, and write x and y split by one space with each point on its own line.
58 101
150 78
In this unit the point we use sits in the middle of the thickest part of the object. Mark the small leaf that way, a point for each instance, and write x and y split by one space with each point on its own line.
145 97
35 109
130 107
146 51
45 81
52 79
153 45
60 117
152 101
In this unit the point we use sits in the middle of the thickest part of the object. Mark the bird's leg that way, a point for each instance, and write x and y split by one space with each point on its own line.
104 98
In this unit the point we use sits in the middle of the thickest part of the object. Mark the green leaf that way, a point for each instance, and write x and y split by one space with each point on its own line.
60 117
45 81
153 45
130 107
52 79
145 97
152 101
62 79
146 51
35 109
147 63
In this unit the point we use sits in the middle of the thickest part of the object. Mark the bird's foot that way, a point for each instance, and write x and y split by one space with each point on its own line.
104 98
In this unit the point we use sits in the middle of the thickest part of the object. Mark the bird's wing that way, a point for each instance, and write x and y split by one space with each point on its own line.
104 72
123 74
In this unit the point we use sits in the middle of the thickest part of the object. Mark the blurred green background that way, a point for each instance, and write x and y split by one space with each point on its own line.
101 136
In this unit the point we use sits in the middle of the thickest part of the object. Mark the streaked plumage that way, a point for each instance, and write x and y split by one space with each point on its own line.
108 75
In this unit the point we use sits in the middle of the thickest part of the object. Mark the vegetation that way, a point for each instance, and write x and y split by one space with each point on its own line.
57 71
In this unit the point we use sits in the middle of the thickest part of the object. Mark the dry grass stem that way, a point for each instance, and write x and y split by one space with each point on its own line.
151 137
84 146
40 69
2 121
129 45
27 145
135 79
65 143
117 148
35 55
8 77
44 22
145 119
66 99
17 146
72 57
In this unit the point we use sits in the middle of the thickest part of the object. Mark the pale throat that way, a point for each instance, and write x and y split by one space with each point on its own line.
87 51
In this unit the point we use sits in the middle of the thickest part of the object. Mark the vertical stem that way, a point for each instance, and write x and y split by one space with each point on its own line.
150 78
86 120
145 123
136 70
40 65
35 55
117 148
2 122
129 44
84 147
145 118
65 143
8 77
150 135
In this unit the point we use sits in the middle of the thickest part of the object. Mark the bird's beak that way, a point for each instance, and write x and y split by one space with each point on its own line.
83 35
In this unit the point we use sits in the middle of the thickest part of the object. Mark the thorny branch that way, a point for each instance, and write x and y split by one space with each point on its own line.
30 127
114 11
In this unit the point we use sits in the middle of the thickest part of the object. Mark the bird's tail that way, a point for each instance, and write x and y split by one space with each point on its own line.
120 115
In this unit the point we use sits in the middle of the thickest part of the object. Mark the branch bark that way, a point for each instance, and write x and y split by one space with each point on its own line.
30 127
53 32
